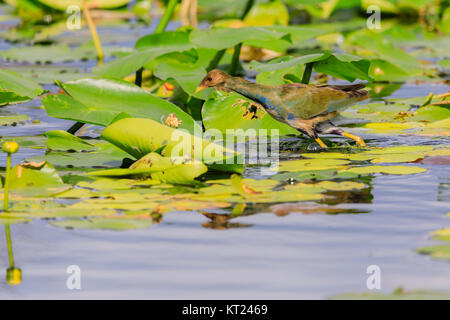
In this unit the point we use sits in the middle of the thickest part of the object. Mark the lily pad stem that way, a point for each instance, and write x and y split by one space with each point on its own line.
9 244
235 60
95 38
248 6
75 127
215 61
307 72
6 190
166 16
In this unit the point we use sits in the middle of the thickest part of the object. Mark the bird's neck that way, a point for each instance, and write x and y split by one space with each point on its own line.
248 89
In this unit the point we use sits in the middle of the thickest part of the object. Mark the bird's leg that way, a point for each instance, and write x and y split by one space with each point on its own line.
321 143
248 112
358 139
327 127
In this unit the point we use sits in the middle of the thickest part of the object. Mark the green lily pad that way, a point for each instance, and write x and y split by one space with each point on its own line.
160 169
99 101
219 104
224 38
311 164
329 185
64 4
46 74
105 155
13 119
386 170
315 175
398 294
36 180
14 88
149 47
64 141
441 252
442 234
115 224
139 137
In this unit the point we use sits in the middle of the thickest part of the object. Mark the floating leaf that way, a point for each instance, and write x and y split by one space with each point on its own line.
437 252
99 101
36 179
398 294
224 38
104 155
218 104
312 164
330 185
64 4
16 89
386 169
160 169
116 224
149 47
13 119
139 137
64 141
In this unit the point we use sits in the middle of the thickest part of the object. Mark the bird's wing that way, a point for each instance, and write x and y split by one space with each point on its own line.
308 101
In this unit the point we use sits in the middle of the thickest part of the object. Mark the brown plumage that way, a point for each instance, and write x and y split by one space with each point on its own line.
308 108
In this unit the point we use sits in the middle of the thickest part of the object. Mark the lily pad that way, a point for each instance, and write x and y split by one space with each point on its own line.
36 179
99 101
64 141
115 224
139 137
386 170
160 169
312 164
237 118
64 4
14 88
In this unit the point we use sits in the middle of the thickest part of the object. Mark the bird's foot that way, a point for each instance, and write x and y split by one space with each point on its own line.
358 139
250 110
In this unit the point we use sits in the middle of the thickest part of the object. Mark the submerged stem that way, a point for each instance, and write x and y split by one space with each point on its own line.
6 189
9 244
95 38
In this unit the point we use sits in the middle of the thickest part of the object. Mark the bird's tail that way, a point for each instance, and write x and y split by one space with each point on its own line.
354 91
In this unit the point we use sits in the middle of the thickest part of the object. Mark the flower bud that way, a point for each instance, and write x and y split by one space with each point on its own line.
10 147
13 276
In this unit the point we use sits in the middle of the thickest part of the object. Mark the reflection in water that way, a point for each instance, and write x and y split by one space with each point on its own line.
360 196
310 207
443 190
221 221
13 274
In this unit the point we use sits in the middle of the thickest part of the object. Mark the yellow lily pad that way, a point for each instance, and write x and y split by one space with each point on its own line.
311 164
442 234
393 158
386 169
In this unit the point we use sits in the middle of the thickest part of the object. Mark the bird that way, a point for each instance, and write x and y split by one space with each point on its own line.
305 107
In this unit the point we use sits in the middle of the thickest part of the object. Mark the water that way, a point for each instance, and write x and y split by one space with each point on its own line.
261 256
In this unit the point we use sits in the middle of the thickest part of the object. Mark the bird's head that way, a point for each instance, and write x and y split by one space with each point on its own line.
214 78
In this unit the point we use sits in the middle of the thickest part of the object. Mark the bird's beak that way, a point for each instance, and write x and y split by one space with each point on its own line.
200 88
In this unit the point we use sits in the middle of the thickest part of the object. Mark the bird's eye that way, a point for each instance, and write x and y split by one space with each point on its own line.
209 79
